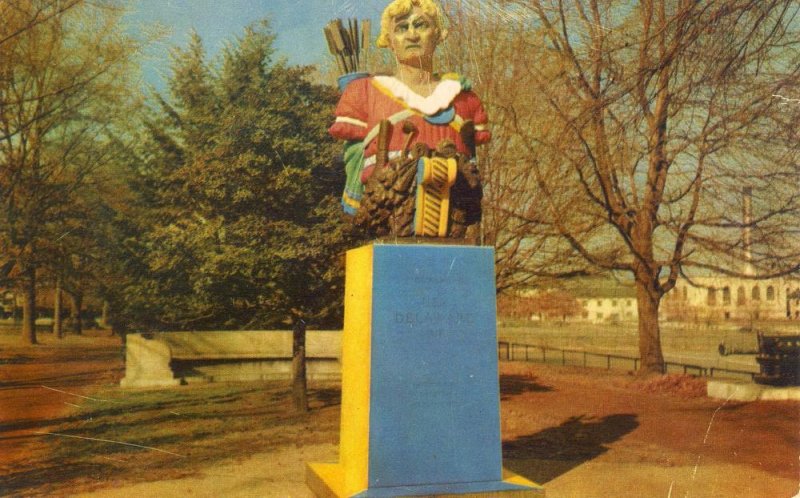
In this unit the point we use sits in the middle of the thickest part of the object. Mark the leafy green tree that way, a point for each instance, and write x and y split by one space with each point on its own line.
237 198
62 88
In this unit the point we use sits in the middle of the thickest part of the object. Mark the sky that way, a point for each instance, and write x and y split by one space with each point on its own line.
297 24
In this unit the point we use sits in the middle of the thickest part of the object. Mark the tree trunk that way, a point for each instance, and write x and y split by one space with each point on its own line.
299 393
29 307
106 319
652 359
104 316
58 326
76 322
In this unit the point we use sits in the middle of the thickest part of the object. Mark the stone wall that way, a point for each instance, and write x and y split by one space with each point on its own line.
173 358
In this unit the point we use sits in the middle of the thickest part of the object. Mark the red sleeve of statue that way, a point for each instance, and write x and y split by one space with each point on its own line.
351 112
469 106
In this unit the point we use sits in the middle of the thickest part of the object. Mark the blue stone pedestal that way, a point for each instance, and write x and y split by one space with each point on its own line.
420 391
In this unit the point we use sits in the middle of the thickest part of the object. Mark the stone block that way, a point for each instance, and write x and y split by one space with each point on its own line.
748 391
147 363
170 358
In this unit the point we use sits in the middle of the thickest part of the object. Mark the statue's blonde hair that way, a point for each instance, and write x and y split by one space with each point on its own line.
401 7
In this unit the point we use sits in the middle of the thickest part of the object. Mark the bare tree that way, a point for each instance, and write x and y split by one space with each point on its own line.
640 125
490 44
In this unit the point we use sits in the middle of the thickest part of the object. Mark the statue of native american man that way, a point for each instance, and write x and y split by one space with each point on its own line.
411 137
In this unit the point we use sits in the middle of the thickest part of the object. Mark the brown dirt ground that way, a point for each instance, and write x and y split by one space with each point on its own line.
35 382
580 433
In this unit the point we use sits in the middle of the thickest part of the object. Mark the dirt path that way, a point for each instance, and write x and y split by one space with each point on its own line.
41 387
580 433
582 437
612 435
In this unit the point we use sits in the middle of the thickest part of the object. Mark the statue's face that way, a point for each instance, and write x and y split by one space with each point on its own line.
413 37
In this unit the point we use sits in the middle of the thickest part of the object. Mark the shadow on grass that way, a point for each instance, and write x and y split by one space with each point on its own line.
17 360
543 456
29 424
324 398
82 379
512 385
51 475
198 424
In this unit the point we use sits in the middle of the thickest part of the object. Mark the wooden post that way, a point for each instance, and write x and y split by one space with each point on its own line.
299 393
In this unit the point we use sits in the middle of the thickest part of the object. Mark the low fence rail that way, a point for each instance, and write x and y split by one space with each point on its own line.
511 351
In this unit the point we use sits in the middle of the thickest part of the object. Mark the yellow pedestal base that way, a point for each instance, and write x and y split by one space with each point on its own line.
326 480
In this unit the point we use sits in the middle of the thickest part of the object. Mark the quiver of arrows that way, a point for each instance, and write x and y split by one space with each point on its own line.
348 44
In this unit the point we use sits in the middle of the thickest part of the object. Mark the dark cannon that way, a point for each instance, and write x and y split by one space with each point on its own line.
779 360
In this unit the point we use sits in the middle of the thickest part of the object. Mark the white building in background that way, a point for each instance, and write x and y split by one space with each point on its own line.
605 300
714 298
793 305
721 298
609 309
709 298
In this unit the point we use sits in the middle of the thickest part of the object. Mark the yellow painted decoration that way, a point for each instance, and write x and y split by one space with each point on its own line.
326 480
512 478
356 351
436 176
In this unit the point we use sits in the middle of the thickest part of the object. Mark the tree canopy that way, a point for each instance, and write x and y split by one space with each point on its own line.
62 96
236 220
